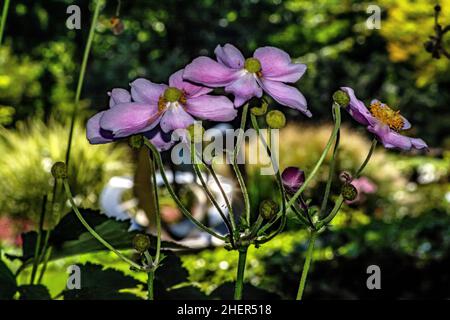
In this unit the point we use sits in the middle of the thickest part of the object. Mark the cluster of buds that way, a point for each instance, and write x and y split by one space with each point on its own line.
435 44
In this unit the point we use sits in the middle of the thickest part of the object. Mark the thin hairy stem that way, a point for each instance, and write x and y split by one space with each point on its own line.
87 50
308 259
238 173
174 196
3 21
92 231
238 288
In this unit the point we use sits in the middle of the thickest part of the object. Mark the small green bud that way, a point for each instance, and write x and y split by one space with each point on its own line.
59 170
268 209
349 192
136 141
195 132
261 110
341 98
141 242
276 119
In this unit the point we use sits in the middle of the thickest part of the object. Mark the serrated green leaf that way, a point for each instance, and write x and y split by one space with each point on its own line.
102 284
70 237
34 292
8 284
171 271
250 292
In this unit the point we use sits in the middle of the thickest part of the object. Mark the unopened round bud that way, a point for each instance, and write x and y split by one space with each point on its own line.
136 141
195 132
429 46
117 25
292 179
268 209
349 192
276 119
261 110
341 98
59 170
437 8
141 242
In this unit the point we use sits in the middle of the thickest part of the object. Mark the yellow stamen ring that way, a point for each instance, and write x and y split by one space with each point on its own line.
387 116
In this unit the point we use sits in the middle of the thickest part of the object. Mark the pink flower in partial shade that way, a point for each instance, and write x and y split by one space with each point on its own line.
364 186
385 123
157 109
268 70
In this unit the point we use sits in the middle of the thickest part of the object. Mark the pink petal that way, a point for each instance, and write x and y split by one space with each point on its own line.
215 108
191 90
419 143
162 141
389 138
244 88
286 95
175 118
130 118
230 56
406 124
276 65
146 91
210 73
357 109
94 132
118 95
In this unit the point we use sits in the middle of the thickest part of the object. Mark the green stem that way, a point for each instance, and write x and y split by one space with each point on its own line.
366 161
340 200
337 125
337 206
46 251
3 22
150 282
174 196
37 249
307 264
87 50
330 175
277 175
300 216
158 214
92 231
240 274
46 258
205 186
238 173
224 195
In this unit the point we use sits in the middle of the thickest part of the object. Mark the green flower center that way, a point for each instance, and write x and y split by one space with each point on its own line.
172 94
252 65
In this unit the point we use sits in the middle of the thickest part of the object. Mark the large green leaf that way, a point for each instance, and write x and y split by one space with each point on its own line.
98 283
250 292
171 271
8 284
187 292
70 237
172 280
34 292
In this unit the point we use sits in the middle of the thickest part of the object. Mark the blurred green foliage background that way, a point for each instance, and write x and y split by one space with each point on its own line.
404 226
